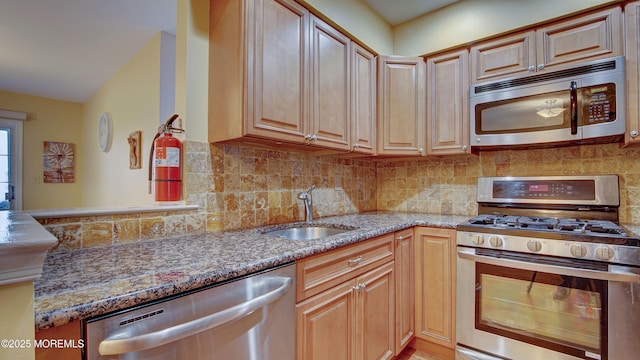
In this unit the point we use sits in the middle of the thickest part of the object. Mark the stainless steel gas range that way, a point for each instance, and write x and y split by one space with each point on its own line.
545 272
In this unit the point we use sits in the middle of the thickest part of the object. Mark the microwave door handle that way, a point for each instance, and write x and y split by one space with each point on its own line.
573 97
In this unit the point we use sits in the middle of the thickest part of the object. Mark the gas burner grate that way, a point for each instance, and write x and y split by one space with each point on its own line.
573 226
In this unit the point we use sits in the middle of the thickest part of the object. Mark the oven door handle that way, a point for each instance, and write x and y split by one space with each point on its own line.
617 276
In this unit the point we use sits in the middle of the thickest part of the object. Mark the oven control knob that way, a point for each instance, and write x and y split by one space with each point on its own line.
477 239
495 241
534 245
578 250
604 253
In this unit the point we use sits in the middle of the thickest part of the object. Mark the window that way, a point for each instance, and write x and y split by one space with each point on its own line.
11 160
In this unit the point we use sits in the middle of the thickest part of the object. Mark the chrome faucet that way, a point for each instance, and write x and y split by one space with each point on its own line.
308 203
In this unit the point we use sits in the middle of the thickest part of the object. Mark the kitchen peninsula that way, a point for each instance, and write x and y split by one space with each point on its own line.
80 284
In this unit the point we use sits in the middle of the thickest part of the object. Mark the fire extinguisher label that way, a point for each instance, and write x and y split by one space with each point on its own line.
171 158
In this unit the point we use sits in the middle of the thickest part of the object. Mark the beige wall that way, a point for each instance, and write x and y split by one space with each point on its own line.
132 96
16 312
192 68
470 20
360 21
47 120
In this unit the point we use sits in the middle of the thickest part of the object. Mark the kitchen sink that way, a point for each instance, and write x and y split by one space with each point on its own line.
309 231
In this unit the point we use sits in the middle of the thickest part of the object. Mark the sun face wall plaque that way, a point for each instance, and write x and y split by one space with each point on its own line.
59 162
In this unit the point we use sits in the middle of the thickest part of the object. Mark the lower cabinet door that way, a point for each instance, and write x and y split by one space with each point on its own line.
325 325
435 259
376 314
354 320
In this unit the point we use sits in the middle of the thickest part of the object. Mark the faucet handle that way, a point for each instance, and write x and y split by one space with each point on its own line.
311 188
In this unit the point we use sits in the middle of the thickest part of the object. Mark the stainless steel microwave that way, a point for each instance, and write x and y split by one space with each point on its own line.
580 104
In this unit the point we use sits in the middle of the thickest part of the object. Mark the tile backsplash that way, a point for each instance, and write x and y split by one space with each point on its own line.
448 184
239 186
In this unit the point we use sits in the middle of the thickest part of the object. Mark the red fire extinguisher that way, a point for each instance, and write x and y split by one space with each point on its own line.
167 162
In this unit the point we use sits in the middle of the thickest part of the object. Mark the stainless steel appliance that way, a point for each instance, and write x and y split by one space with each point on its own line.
249 318
584 103
545 272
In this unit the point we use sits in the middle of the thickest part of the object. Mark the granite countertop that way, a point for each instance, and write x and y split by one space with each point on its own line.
81 284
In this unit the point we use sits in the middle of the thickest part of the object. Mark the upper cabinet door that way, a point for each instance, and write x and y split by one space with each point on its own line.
579 39
363 100
330 83
588 37
278 50
448 99
632 13
258 70
401 104
504 57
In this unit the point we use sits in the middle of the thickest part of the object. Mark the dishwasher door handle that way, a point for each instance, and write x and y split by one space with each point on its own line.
115 346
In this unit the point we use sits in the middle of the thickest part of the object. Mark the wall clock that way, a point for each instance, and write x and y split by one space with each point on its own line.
105 131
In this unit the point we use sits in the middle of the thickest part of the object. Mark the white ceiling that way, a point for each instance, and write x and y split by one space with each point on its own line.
67 49
399 11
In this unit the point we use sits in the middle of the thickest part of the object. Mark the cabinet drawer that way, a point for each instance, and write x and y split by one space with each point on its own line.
323 271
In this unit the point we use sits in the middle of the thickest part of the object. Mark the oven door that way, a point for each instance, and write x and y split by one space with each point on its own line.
525 307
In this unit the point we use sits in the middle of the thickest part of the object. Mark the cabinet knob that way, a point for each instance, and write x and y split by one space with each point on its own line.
634 133
540 66
531 68
421 151
314 138
464 147
356 145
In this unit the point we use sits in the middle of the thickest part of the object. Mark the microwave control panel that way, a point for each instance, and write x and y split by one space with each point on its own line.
599 103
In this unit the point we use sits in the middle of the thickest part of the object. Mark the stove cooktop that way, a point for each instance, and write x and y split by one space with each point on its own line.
593 227
599 231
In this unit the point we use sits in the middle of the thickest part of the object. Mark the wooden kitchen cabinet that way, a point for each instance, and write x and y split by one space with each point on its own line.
70 332
405 295
259 70
448 99
592 36
317 273
354 320
632 15
346 302
435 282
279 74
363 100
401 105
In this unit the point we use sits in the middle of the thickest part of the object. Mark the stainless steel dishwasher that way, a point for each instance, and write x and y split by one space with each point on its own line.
249 318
